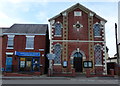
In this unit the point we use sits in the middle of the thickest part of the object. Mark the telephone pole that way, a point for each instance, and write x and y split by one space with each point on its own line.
117 49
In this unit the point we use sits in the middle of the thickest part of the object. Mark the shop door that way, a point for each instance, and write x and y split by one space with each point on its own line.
36 64
78 62
28 64
9 64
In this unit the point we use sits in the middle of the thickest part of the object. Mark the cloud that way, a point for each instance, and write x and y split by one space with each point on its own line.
7 21
110 34
42 17
22 1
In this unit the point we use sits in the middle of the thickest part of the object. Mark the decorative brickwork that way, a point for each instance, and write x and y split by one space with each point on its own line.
91 38
65 37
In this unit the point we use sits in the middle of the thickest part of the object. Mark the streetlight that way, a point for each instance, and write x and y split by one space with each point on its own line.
117 49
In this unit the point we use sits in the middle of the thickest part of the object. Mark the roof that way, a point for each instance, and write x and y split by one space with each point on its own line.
3 29
28 28
82 8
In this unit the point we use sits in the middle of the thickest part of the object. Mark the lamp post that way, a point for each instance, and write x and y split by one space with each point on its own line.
117 49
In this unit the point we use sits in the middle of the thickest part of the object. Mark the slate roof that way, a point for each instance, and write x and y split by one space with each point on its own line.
28 28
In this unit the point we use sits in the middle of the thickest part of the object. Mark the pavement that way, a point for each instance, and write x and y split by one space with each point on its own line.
60 80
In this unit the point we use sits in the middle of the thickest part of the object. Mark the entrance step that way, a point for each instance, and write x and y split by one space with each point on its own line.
63 74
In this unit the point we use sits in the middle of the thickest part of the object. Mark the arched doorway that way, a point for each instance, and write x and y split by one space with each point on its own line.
77 62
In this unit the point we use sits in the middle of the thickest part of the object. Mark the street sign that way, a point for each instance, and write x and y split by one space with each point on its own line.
50 56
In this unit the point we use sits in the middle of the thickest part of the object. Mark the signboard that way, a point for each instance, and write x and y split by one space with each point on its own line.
50 56
64 64
87 64
27 53
9 64
8 60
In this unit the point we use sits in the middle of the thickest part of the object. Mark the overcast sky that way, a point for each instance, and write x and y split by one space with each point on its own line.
39 11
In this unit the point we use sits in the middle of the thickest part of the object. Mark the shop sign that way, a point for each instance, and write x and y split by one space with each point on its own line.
27 53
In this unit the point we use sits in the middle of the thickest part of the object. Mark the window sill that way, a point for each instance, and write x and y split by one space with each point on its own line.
97 36
29 48
58 35
57 64
98 65
41 50
9 47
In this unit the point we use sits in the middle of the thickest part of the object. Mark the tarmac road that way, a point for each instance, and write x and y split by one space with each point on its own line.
60 80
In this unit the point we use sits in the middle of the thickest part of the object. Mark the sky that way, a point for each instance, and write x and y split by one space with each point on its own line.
39 11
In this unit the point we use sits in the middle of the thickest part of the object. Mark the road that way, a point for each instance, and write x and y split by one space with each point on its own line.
60 80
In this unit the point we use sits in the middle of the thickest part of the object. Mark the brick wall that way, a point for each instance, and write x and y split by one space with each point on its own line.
20 45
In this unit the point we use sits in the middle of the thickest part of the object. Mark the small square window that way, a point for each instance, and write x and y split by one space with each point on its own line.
77 13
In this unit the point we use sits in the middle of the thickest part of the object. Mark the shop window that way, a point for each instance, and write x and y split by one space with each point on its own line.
22 62
36 64
98 55
29 42
10 43
97 30
57 52
29 64
58 29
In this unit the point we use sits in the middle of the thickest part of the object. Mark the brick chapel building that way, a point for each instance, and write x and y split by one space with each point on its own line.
24 49
78 41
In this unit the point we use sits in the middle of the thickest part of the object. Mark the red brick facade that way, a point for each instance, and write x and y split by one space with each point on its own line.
41 45
73 40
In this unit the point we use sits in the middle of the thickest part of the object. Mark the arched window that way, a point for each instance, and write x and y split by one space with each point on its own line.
97 30
57 52
58 28
98 55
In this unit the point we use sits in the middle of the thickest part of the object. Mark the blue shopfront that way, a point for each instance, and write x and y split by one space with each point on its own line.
28 61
